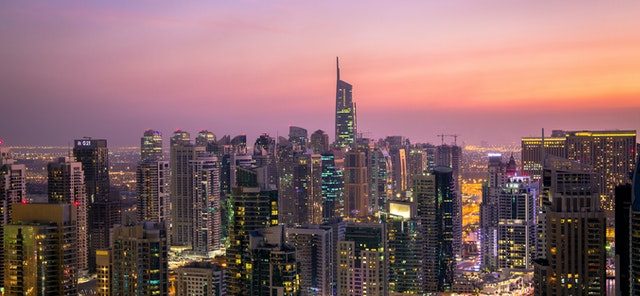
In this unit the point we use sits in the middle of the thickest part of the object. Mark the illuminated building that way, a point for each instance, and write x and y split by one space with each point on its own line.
399 172
104 208
346 127
253 208
298 137
153 190
307 189
319 142
315 253
40 253
136 263
435 197
404 244
151 145
66 185
332 188
356 186
451 156
362 260
13 189
200 279
532 153
273 269
634 272
624 198
575 255
205 174
381 180
516 224
183 152
489 211
416 163
206 139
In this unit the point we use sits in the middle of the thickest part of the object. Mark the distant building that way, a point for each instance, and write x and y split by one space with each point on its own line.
451 156
274 269
404 244
623 195
136 262
497 177
362 260
66 186
298 137
332 188
356 185
533 153
381 179
200 279
151 146
517 224
307 189
315 253
634 273
319 142
154 193
346 127
40 250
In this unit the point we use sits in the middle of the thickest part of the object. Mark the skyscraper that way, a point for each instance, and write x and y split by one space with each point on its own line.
346 127
205 202
104 209
435 197
307 189
136 262
151 145
623 194
381 180
362 260
575 262
332 188
13 189
183 152
66 186
532 153
298 137
200 279
154 193
404 243
315 253
496 179
451 156
319 142
634 273
516 224
274 269
356 186
40 250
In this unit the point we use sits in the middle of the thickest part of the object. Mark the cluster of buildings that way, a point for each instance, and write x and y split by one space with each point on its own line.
300 215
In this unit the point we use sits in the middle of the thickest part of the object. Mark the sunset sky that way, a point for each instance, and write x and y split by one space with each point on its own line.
487 70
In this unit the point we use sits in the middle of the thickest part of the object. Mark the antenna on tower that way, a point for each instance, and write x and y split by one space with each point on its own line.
338 67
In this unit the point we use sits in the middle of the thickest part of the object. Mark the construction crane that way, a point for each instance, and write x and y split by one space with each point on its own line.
454 136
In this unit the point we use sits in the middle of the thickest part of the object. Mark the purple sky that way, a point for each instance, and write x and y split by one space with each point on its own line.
493 71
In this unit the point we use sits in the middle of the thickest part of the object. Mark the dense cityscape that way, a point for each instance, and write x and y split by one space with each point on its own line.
303 215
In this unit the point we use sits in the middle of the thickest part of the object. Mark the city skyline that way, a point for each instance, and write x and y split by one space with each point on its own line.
111 70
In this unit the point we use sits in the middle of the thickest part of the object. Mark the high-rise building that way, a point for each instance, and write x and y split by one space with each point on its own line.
416 164
516 224
319 142
298 137
451 156
66 185
274 269
200 279
315 253
404 243
634 248
307 189
399 172
206 139
154 192
623 195
362 260
575 255
381 179
104 208
13 189
435 197
40 253
332 188
136 262
489 211
356 185
533 153
253 209
346 127
205 174
151 145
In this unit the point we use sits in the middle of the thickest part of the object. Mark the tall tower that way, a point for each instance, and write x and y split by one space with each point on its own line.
274 268
332 187
66 185
356 186
104 211
13 190
315 252
183 152
362 260
346 129
635 232
206 203
151 145
516 224
404 244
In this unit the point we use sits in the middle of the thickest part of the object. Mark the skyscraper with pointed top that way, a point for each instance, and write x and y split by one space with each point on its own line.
345 113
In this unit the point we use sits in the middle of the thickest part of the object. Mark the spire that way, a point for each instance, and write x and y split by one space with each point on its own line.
338 67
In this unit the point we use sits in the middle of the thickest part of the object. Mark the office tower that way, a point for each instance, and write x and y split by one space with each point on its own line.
307 189
399 172
346 127
154 192
205 174
356 186
416 163
200 279
104 208
206 139
532 153
623 195
136 262
381 180
274 269
151 145
332 188
40 253
315 253
183 152
575 262
634 272
516 224
362 260
66 186
253 209
451 156
319 142
13 189
298 137
435 196
264 144
496 179
404 245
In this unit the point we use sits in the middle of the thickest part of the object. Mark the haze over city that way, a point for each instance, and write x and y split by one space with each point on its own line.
111 69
